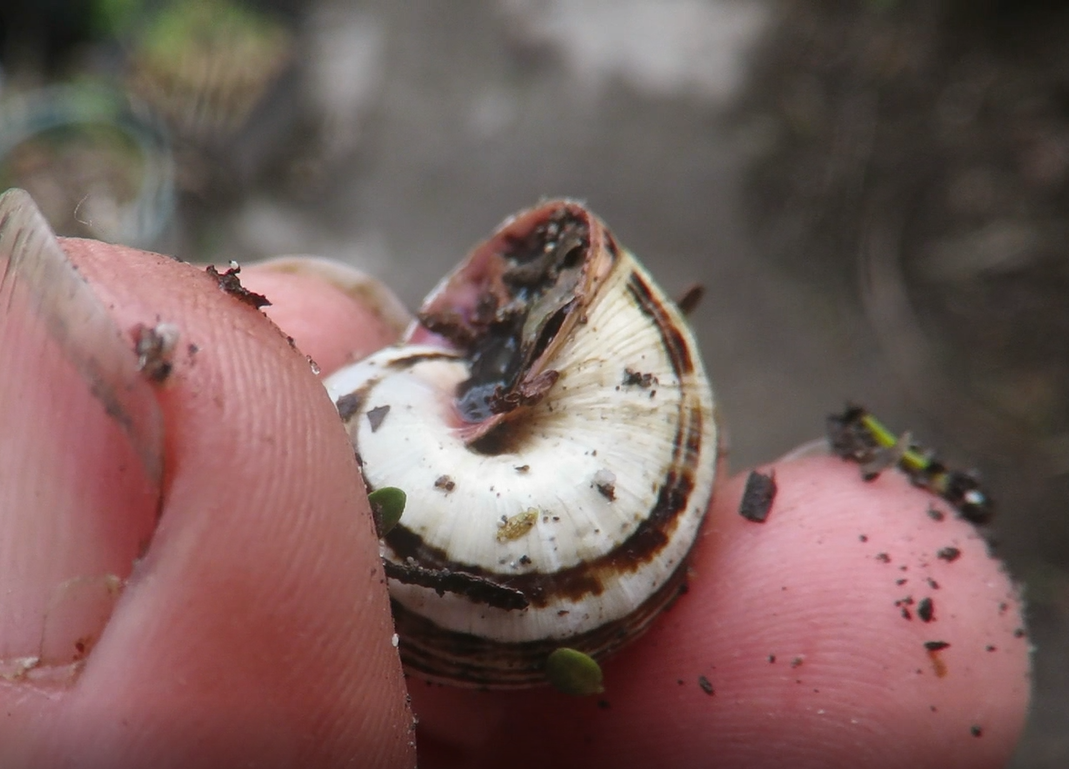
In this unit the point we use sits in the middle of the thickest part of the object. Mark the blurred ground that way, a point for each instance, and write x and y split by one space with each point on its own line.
873 193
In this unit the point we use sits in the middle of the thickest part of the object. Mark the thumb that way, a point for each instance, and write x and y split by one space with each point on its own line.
254 626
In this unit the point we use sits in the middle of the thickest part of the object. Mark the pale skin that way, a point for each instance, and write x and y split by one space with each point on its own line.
256 628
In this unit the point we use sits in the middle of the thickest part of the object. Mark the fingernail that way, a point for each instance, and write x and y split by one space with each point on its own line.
81 452
357 285
818 447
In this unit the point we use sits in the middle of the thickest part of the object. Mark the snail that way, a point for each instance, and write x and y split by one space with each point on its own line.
551 423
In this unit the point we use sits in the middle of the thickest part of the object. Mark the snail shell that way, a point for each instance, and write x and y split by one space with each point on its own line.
550 420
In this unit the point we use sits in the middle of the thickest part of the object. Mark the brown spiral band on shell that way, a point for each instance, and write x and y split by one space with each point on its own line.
446 656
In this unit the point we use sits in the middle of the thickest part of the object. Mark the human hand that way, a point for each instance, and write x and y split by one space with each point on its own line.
255 628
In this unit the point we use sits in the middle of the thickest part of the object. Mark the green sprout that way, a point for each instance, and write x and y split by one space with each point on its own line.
572 672
387 504
858 435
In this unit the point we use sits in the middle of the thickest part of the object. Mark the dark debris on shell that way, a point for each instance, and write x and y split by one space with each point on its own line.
444 581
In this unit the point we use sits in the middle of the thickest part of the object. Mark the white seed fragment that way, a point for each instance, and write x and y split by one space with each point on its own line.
154 346
605 483
16 668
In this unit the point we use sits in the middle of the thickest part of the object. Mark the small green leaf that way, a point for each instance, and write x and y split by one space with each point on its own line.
387 504
574 673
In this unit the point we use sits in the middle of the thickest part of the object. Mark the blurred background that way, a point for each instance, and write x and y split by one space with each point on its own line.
873 192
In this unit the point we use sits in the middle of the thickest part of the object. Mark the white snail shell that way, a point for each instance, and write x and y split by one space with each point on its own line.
550 420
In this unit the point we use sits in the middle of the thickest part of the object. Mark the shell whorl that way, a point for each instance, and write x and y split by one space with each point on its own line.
552 425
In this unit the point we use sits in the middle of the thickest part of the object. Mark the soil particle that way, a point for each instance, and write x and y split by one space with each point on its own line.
758 496
231 284
376 415
926 610
948 554
445 483
634 378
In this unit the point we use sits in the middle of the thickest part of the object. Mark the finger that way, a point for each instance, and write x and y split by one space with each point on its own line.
335 313
256 627
808 632
799 627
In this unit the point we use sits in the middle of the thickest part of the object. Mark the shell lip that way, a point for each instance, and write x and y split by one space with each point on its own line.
512 303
